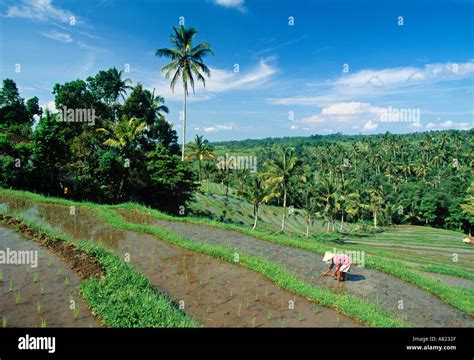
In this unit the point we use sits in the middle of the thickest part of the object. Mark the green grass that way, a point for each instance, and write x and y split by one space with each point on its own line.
123 298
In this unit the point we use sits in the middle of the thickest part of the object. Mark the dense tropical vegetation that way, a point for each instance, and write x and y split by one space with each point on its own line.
387 179
130 152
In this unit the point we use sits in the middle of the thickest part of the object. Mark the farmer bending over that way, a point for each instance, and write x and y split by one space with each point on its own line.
343 265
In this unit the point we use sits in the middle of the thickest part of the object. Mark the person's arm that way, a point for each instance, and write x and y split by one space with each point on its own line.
329 269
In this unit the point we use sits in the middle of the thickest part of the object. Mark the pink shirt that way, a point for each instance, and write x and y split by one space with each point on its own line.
339 260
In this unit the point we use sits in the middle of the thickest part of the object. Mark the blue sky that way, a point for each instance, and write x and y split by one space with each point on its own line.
341 67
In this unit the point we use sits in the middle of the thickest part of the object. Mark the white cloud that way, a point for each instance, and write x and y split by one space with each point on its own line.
58 36
40 10
370 125
449 124
351 113
220 81
236 4
370 83
218 128
51 106
416 125
407 75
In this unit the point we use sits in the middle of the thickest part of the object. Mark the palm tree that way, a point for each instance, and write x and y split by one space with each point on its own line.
281 171
186 63
355 207
120 86
257 192
308 201
326 194
200 149
209 169
156 104
241 177
342 200
124 135
376 201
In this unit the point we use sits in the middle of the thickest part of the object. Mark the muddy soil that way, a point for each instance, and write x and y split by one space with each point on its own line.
40 296
215 292
420 308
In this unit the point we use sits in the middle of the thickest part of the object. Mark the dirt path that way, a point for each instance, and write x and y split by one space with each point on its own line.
420 308
39 296
215 292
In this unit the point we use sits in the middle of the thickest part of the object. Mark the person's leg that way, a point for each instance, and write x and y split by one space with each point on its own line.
344 276
338 276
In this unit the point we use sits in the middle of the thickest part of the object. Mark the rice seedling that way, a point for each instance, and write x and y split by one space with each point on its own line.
239 312
269 314
66 281
315 308
254 321
43 323
39 308
42 290
4 321
35 277
1 276
75 312
59 271
49 263
300 316
17 298
10 286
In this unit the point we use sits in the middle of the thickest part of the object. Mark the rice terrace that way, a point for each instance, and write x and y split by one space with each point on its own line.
271 168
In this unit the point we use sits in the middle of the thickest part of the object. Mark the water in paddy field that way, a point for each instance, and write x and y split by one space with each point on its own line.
35 295
420 308
215 292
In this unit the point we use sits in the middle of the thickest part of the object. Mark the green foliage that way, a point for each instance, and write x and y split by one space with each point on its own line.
171 181
106 162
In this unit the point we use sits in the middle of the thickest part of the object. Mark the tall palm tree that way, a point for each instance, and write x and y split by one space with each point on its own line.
308 201
209 169
200 149
376 201
186 63
355 207
120 86
241 176
326 194
257 192
281 170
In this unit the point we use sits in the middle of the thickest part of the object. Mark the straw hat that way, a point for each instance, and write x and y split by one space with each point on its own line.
328 256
